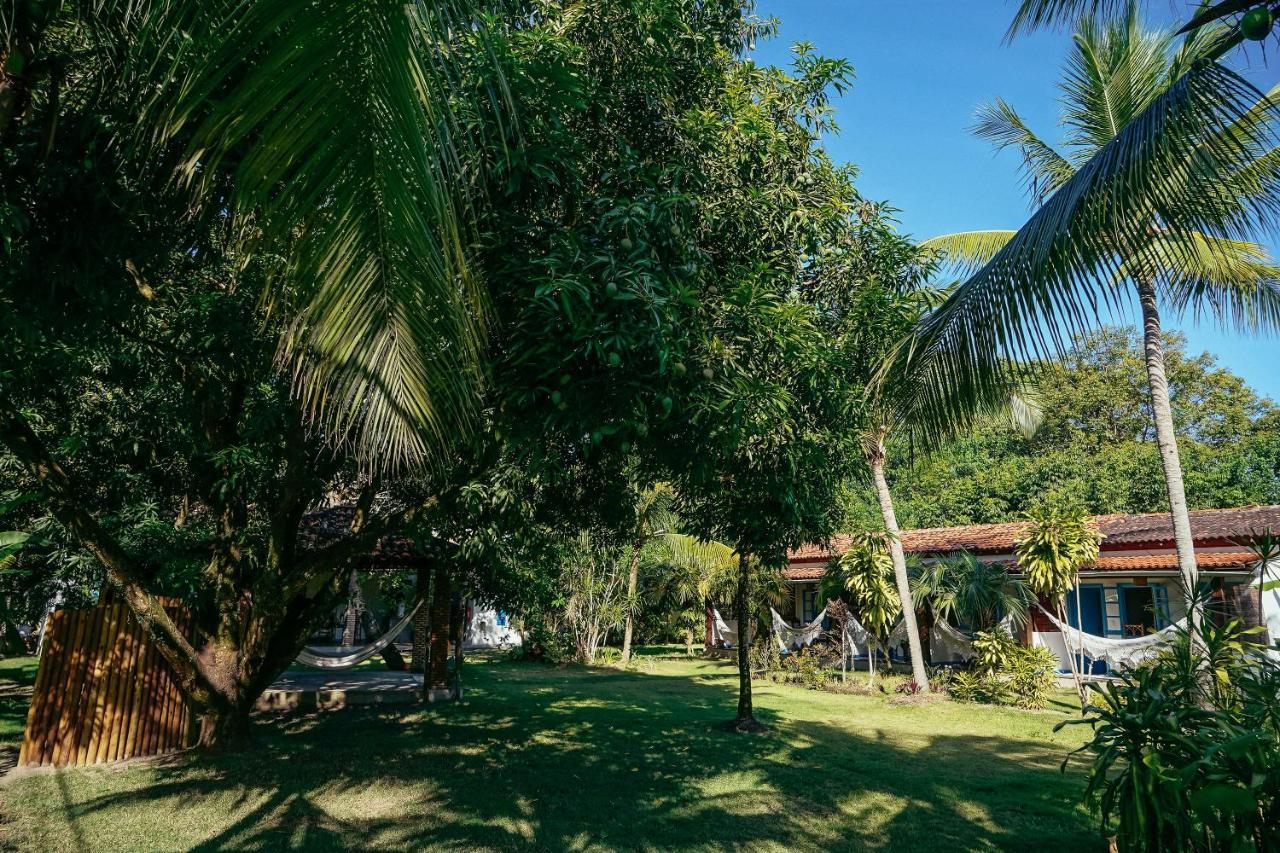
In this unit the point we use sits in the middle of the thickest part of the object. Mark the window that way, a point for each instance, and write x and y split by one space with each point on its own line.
1137 610
501 619
809 605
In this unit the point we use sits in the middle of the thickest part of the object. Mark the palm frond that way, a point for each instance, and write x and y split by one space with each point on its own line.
332 120
1044 168
1114 70
1234 281
968 251
1025 413
1050 281
1035 14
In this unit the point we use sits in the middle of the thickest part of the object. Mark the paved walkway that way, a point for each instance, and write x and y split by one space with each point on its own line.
325 690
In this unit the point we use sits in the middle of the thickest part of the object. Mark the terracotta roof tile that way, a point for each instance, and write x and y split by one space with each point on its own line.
1212 561
1117 529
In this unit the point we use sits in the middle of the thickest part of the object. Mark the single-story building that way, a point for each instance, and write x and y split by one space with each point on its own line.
1130 591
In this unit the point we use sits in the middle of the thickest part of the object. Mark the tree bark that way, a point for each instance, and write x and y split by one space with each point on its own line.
876 460
633 580
1167 441
438 658
746 713
709 624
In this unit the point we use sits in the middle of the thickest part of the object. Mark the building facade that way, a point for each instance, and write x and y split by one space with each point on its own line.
1131 590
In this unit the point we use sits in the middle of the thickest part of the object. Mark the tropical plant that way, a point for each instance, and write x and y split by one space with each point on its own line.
1058 542
976 592
1265 545
654 518
1171 166
1005 672
864 577
696 572
595 587
1180 762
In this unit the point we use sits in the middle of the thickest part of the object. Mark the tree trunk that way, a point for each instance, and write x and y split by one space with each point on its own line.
457 625
746 714
1167 442
225 727
709 634
632 581
899 567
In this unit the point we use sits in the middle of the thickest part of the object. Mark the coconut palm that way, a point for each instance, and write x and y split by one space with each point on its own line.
893 382
1170 164
324 131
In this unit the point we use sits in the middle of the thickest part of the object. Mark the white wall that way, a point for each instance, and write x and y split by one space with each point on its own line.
484 632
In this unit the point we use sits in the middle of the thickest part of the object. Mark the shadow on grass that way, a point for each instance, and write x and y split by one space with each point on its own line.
606 759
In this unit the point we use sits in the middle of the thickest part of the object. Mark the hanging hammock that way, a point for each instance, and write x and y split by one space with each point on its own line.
723 632
855 637
312 656
791 639
1116 653
960 644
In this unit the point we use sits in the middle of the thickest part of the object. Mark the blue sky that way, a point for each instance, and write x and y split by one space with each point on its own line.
922 68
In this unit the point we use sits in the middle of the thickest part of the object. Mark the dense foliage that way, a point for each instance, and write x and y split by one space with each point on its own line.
1005 672
1096 445
1178 761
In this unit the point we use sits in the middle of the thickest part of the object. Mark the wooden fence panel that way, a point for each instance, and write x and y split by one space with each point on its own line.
103 692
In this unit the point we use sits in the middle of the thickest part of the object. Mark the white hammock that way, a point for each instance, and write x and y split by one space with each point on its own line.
312 656
855 637
1116 653
790 639
957 642
723 632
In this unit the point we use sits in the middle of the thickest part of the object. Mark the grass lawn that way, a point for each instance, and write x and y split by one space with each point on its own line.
589 759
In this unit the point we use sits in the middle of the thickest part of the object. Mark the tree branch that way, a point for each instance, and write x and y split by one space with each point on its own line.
17 435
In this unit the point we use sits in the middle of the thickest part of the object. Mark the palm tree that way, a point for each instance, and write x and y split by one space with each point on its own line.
654 519
323 131
972 591
1057 544
895 381
1170 162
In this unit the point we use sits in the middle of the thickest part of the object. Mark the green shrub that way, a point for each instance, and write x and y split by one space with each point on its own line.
1005 673
1186 756
606 655
805 668
544 645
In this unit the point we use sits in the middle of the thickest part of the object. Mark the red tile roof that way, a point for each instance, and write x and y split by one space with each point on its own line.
1212 561
1153 528
1167 562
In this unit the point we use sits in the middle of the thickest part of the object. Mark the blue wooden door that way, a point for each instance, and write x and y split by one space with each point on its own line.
1091 617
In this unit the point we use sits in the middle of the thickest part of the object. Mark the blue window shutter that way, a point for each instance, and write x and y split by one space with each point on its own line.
1160 597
